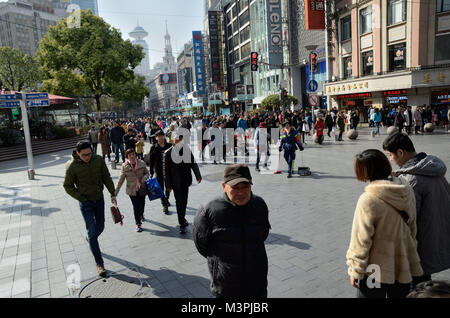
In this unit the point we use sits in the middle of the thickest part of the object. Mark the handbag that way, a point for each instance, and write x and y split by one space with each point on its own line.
154 190
116 215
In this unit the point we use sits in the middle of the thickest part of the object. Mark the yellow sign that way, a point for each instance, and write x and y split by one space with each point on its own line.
427 78
347 87
442 77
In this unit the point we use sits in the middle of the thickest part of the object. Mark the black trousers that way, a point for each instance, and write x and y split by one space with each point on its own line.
421 279
165 200
138 208
181 196
396 290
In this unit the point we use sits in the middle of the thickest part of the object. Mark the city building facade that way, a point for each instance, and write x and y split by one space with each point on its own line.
389 53
23 25
86 4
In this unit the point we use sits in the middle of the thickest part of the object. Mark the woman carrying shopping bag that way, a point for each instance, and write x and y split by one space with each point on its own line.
136 173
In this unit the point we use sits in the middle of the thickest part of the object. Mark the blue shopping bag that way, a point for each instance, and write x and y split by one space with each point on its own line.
154 189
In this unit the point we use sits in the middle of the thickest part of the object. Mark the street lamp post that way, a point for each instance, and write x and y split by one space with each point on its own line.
310 49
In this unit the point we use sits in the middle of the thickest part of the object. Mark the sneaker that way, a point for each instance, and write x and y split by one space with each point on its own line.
166 210
138 229
289 176
101 271
183 228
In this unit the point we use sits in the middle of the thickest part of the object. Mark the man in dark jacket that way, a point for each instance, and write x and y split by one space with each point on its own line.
154 160
85 176
116 135
426 175
230 232
178 163
130 140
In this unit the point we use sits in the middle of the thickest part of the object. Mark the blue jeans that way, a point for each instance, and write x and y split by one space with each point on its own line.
94 217
118 147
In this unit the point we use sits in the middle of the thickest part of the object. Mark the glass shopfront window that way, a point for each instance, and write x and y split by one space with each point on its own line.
367 63
442 47
442 5
348 66
397 57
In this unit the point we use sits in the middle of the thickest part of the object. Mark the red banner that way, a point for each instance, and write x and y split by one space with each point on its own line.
315 14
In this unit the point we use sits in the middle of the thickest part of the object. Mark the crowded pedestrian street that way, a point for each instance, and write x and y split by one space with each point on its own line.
42 231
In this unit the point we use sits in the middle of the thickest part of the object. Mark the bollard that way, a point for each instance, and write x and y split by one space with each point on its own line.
30 174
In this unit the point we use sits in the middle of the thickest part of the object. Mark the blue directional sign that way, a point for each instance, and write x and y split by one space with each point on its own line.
312 86
36 96
11 104
38 103
7 97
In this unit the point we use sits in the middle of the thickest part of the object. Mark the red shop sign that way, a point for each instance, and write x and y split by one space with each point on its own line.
396 92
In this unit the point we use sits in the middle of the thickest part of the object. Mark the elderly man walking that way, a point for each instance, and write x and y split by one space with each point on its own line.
230 232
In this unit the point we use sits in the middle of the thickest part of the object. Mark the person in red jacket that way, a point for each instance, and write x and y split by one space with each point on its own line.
320 125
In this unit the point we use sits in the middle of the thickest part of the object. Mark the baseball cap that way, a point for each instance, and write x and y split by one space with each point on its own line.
236 174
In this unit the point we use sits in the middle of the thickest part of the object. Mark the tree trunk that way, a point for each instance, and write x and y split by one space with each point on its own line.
99 109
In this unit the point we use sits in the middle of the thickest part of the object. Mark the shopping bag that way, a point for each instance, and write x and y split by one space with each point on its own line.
116 215
154 189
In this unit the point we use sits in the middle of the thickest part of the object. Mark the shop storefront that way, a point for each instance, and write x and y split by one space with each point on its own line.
396 98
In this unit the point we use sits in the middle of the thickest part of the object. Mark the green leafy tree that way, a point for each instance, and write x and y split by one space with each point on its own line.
18 71
273 102
95 53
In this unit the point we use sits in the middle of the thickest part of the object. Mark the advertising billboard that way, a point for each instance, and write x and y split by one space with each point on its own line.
315 14
198 62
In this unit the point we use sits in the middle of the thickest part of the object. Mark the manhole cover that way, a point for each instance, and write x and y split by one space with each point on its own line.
125 284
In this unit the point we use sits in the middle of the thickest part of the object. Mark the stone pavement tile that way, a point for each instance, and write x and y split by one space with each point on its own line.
44 296
198 290
40 288
59 290
21 286
23 295
38 253
69 257
57 277
175 289
39 275
38 263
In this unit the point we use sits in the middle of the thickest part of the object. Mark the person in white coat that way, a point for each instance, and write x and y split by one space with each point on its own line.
261 142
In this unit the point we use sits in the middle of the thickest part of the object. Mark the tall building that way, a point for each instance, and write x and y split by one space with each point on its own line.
139 35
87 4
388 53
168 59
299 38
23 25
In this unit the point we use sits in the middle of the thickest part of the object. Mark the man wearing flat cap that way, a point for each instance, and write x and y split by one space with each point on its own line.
230 232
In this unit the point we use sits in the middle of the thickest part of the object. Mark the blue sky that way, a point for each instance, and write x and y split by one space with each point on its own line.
183 16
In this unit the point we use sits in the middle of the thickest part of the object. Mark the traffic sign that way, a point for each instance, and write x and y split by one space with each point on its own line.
33 96
38 103
312 86
313 100
12 104
7 97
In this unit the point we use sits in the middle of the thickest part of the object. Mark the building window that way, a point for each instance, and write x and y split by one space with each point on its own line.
245 34
235 13
246 50
236 41
243 4
244 18
367 63
396 11
397 57
442 5
235 26
442 49
366 19
346 28
348 66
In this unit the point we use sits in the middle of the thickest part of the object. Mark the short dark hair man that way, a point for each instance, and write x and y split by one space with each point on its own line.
85 176
155 160
116 135
230 232
178 176
426 174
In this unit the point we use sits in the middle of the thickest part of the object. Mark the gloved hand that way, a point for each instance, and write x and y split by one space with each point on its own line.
280 149
301 148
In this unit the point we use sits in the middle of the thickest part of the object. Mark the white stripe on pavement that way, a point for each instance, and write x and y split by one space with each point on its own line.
14 226
15 241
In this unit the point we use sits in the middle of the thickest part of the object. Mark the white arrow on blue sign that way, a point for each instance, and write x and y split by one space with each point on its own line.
312 86
38 103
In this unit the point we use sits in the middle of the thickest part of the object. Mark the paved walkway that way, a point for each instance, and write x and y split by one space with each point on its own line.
42 231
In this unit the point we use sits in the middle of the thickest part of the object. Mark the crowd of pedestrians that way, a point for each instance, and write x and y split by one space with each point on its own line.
401 222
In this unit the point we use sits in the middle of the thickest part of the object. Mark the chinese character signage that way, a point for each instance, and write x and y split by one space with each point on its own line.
198 62
315 14
214 46
275 34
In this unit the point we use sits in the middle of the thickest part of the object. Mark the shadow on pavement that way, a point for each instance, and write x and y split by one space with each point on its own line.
171 231
280 239
167 274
